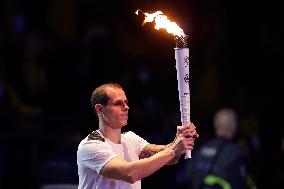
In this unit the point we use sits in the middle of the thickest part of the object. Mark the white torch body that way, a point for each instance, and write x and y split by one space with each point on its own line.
182 67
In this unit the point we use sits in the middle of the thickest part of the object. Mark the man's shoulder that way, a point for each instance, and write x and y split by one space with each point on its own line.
94 142
129 135
95 135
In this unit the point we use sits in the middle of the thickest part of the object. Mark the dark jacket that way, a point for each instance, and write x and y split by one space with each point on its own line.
229 163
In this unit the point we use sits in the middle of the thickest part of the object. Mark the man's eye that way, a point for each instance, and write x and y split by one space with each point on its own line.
118 104
121 104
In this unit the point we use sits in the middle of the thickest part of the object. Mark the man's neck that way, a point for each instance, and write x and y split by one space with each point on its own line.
113 135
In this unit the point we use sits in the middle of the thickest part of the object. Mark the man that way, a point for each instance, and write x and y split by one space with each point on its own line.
219 163
108 159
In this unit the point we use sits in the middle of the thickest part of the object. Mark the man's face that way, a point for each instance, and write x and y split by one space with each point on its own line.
115 113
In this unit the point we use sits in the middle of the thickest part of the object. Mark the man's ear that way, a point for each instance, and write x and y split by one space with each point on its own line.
99 108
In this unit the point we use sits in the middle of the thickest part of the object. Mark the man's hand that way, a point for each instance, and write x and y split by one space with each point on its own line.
183 141
187 131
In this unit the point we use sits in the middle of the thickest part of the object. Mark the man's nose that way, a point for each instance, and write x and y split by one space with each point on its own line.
126 106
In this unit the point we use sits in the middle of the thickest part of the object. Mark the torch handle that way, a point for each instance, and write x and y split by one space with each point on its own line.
182 67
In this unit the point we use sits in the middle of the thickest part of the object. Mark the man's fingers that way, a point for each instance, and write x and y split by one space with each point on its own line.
180 128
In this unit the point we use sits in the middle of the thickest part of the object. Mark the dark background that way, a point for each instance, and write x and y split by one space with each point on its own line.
53 53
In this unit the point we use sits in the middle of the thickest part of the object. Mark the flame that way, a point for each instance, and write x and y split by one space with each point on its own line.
162 21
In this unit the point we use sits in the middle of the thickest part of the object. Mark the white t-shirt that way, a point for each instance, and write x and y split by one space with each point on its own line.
95 151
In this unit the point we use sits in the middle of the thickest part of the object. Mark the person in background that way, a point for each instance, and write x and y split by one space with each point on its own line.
108 158
220 162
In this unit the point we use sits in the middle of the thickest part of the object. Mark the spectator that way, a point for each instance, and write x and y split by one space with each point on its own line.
219 162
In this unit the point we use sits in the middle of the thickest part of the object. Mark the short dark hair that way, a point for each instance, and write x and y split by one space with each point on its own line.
99 95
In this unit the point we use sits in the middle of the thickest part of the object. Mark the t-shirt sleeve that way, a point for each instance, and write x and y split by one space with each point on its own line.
139 142
95 154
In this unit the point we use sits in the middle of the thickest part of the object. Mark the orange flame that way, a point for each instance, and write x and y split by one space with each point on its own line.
162 22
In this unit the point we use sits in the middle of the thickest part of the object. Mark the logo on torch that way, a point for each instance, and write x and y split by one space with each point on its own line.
186 78
186 60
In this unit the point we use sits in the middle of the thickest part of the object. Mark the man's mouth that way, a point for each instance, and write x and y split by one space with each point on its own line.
125 115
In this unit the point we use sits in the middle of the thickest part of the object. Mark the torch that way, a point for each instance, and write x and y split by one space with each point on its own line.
182 67
182 61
